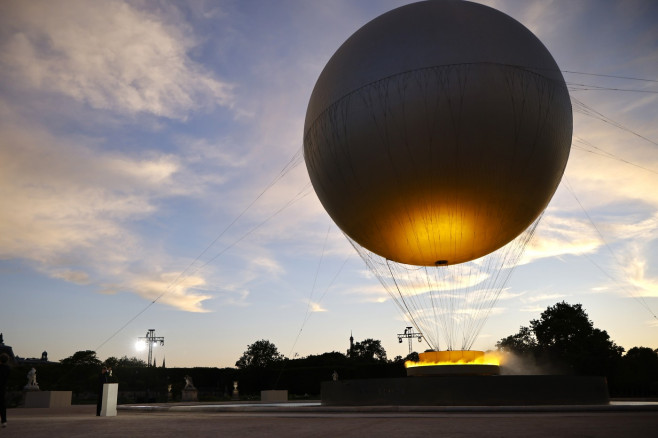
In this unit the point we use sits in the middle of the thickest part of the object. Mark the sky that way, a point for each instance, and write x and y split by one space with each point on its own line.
152 177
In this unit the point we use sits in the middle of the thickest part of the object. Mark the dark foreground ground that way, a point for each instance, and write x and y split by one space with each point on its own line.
80 421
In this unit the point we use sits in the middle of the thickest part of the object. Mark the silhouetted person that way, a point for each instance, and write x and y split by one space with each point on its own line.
102 379
4 377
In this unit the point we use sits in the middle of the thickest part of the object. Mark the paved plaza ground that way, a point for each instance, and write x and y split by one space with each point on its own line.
310 421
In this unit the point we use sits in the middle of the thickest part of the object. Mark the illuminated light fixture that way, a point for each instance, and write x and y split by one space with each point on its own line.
150 341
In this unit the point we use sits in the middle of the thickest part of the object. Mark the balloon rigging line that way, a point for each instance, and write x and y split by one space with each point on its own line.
294 161
617 159
202 266
315 279
334 277
300 195
610 76
603 153
308 304
308 314
404 302
588 87
585 109
638 297
582 108
368 258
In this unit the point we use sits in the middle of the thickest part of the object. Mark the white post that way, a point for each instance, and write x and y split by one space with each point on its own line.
109 406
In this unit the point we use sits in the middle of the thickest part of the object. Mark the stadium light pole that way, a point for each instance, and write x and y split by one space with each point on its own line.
151 341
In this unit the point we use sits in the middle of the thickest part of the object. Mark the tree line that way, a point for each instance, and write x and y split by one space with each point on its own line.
563 340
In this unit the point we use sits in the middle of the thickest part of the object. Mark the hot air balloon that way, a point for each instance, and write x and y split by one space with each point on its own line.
435 137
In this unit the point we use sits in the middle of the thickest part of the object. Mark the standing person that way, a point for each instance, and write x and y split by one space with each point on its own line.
102 379
4 377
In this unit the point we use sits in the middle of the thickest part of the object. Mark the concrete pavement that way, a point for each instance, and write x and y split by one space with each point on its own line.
315 421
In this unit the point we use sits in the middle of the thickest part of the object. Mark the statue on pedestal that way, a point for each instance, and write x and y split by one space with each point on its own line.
236 394
189 393
32 384
188 383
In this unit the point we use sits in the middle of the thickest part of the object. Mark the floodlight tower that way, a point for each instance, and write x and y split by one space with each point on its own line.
409 334
151 340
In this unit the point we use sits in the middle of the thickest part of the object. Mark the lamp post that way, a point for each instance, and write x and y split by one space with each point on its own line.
409 334
151 341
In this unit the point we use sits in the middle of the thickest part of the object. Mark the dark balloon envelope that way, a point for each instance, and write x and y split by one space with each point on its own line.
438 132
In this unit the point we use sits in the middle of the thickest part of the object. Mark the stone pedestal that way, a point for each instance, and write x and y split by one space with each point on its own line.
190 395
48 399
235 395
109 406
274 395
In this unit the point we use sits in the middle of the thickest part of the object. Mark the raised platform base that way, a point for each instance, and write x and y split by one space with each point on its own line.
274 395
467 391
190 395
48 399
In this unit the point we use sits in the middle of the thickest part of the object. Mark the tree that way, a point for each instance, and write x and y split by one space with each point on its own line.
640 364
332 358
369 349
125 361
81 358
523 342
413 357
565 335
259 354
111 362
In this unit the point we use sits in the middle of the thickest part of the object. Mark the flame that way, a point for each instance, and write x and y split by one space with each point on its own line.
455 357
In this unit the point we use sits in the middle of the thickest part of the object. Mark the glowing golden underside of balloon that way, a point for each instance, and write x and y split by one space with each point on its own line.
454 357
434 234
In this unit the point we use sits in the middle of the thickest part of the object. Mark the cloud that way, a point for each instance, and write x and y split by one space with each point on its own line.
532 309
269 265
543 297
172 289
60 194
558 236
73 197
109 55
236 298
316 307
638 231
78 277
69 207
507 294
372 292
642 284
